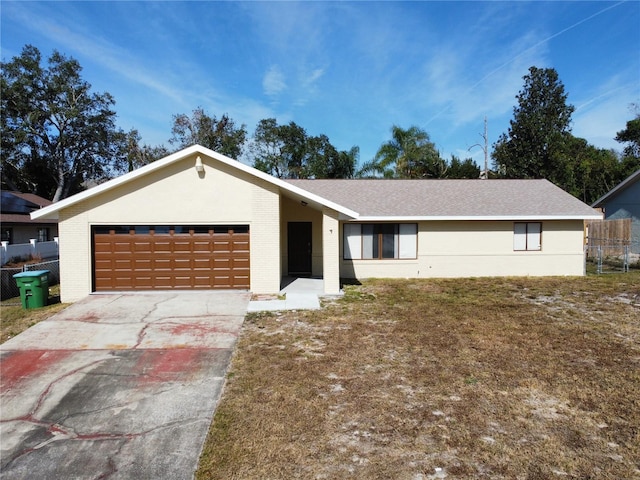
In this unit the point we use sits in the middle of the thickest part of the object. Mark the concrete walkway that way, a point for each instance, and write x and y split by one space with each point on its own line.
297 294
117 386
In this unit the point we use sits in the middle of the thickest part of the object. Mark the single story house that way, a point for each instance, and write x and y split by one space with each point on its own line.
17 224
623 201
199 220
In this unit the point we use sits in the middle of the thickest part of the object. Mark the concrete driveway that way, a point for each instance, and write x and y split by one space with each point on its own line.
117 386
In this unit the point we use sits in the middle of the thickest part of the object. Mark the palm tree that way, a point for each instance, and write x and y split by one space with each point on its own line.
409 154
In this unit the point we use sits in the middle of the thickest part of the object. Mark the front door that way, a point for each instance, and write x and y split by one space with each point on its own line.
299 248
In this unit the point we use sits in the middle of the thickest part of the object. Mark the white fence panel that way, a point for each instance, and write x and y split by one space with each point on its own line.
47 249
44 250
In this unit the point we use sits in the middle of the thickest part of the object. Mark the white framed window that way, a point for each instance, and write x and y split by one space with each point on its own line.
527 236
43 234
378 241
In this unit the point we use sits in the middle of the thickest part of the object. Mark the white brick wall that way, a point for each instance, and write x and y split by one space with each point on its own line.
75 255
265 239
330 251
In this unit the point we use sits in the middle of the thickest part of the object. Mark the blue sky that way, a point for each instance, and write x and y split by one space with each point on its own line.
349 70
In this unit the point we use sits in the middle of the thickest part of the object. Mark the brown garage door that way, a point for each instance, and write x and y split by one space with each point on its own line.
163 257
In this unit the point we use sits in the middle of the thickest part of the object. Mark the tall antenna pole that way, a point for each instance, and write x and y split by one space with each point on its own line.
486 150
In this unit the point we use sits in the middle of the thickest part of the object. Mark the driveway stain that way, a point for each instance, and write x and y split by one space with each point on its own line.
123 402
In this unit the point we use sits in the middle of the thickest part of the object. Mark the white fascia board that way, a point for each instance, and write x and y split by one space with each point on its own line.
51 212
478 218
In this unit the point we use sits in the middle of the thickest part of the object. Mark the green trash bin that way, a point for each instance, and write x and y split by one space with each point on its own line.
34 288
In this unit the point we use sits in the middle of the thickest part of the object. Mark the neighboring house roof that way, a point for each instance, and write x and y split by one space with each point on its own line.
626 183
14 218
16 207
391 199
381 199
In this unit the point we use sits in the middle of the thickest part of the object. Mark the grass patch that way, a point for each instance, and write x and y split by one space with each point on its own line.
529 378
14 319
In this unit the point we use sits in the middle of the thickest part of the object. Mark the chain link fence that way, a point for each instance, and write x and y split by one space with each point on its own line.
611 257
8 283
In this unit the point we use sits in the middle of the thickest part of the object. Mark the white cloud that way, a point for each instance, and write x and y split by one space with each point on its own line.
599 117
97 49
273 82
312 77
465 90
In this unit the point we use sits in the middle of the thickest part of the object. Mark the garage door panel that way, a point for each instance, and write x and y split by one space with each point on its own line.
223 246
142 247
182 281
162 264
167 257
241 244
103 264
180 264
202 264
102 248
122 265
122 246
140 264
182 246
202 281
202 246
162 246
241 262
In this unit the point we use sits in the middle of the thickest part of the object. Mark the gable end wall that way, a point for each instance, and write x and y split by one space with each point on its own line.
172 196
627 205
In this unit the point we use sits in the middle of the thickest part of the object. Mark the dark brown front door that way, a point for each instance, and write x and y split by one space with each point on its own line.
299 248
163 257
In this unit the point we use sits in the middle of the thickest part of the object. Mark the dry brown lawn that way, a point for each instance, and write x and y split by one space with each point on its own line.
518 378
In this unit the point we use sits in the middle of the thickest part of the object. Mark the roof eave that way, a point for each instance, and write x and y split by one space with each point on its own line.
621 186
425 218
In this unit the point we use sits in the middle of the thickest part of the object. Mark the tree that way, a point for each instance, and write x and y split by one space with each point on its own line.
631 136
409 154
466 168
138 155
56 133
286 151
266 148
631 153
279 150
325 161
220 135
321 156
345 164
541 122
588 172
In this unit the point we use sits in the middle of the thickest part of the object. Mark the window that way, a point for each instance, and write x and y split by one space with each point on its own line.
43 234
380 240
7 235
527 236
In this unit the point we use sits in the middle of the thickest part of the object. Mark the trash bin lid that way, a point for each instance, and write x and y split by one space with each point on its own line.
32 273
